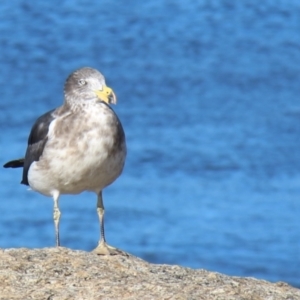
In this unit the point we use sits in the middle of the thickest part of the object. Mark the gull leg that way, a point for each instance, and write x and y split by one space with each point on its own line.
56 217
102 247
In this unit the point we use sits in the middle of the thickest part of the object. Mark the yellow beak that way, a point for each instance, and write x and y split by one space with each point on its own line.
107 95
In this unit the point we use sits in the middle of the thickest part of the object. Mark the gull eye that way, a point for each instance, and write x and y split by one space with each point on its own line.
82 82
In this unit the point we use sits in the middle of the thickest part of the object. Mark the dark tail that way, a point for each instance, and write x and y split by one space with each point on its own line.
18 163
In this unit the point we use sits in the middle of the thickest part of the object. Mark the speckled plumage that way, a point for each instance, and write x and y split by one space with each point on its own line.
77 147
82 152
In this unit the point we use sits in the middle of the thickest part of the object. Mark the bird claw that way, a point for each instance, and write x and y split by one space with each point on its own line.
104 249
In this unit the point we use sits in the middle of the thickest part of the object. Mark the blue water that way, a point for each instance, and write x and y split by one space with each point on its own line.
209 99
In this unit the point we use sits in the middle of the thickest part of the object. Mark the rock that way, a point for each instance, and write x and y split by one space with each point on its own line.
60 273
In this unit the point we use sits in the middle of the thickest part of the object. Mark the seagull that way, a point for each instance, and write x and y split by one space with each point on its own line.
79 146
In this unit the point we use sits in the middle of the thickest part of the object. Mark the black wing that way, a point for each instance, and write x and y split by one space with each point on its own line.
36 142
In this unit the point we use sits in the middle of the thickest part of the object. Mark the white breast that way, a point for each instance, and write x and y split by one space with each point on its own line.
81 153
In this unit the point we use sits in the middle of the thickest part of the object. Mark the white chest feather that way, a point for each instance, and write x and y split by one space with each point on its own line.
84 151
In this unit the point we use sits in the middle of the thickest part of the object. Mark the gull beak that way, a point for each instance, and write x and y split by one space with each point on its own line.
107 95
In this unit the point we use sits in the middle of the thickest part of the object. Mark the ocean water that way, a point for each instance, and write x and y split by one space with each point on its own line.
208 94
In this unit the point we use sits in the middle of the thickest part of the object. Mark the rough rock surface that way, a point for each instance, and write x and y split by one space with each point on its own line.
60 273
